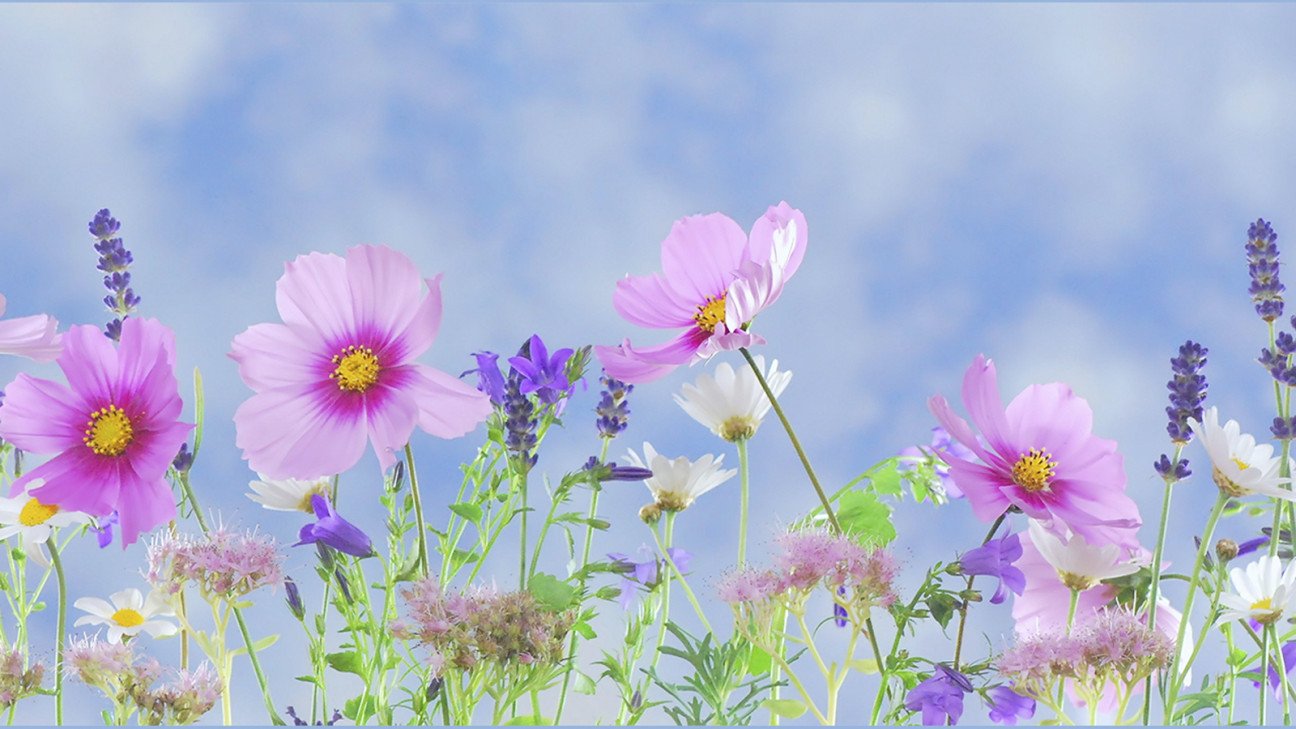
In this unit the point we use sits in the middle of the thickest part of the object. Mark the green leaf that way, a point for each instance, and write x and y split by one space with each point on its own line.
942 608
758 664
355 712
861 514
600 524
585 630
471 512
551 592
886 480
786 708
866 665
347 662
531 720
584 684
462 557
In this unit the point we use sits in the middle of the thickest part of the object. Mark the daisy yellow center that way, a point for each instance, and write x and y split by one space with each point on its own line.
109 431
1241 464
357 369
34 513
1076 582
1034 470
1265 604
127 618
710 314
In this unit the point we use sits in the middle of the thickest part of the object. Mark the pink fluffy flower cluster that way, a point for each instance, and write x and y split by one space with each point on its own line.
222 563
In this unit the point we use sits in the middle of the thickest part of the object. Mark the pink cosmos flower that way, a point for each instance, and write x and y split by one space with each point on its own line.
340 371
1040 456
115 426
35 337
714 281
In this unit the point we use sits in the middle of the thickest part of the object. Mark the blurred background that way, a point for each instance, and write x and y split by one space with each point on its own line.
1065 188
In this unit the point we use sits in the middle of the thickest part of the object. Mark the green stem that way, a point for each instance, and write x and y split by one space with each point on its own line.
963 606
1172 693
1155 591
1264 673
418 510
796 444
522 560
743 468
60 628
688 591
665 584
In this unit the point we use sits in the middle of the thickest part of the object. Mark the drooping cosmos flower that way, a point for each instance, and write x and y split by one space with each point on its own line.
334 531
995 558
1240 466
1262 592
35 337
35 522
287 494
1040 456
115 426
732 403
675 484
714 281
129 614
340 371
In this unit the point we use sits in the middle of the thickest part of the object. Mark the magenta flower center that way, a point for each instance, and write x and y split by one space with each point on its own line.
127 618
1034 470
357 369
711 313
34 513
109 431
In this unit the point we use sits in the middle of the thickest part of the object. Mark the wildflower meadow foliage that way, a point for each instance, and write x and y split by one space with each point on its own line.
831 624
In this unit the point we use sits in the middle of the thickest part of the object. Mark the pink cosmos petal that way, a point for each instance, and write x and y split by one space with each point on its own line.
271 355
1052 417
676 351
41 416
626 368
300 432
985 407
392 415
769 241
728 343
983 487
148 391
385 288
65 478
143 504
701 255
91 366
447 406
959 430
156 446
313 297
649 301
416 336
35 337
1103 517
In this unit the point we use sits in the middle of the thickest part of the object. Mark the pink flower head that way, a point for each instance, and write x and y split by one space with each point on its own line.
340 371
714 281
115 426
35 337
1040 456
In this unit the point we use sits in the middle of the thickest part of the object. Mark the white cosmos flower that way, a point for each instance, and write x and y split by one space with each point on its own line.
732 403
129 613
1240 466
1263 592
287 494
675 484
1079 564
35 521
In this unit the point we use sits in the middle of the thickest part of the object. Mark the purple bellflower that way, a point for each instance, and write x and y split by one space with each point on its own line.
1007 706
334 531
644 572
489 378
995 559
940 698
542 374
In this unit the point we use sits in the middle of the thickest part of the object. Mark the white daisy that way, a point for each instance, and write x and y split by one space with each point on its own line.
35 521
676 484
287 494
732 403
1240 466
1263 592
129 614
1079 564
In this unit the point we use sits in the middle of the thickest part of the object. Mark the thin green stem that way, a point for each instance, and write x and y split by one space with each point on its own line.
1155 590
743 469
796 444
665 585
60 628
522 545
1172 693
688 591
1263 689
418 510
963 607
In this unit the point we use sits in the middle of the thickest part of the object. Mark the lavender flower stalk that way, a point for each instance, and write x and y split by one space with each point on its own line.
114 259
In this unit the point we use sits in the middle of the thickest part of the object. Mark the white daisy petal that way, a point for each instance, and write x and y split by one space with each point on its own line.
732 403
675 484
1239 466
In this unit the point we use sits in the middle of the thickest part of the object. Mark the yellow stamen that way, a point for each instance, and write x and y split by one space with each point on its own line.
1264 604
109 431
1033 471
710 314
127 618
34 513
357 369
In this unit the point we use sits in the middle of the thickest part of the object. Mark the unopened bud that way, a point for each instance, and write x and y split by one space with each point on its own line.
294 598
650 514
1226 549
434 688
954 568
970 595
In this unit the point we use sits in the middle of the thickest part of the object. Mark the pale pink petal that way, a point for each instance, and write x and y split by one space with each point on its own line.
1051 417
1045 602
983 487
649 301
676 351
41 416
385 288
756 287
300 432
272 355
1101 517
447 406
89 361
701 256
391 416
35 337
960 431
730 342
413 337
780 235
627 369
314 298
985 408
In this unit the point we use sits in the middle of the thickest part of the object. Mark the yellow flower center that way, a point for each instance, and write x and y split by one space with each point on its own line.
1033 470
307 504
357 369
710 314
1076 582
1241 464
34 513
1264 604
109 431
127 618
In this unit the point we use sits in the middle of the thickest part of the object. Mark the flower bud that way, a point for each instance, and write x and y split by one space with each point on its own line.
294 599
650 514
1226 549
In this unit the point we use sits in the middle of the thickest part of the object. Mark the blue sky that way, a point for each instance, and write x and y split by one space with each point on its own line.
1065 188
